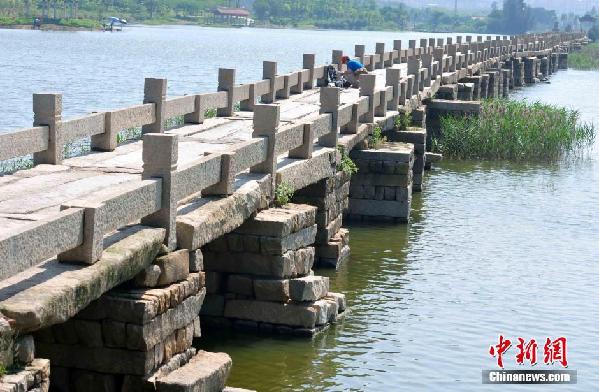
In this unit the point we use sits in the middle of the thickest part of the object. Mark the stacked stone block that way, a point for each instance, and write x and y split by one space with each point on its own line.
135 336
417 137
260 276
331 198
382 188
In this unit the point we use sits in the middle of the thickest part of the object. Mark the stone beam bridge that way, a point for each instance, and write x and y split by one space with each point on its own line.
109 258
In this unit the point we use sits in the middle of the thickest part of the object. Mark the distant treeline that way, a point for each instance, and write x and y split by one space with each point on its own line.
514 17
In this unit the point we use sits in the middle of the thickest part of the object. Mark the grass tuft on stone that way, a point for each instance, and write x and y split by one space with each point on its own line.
514 130
586 59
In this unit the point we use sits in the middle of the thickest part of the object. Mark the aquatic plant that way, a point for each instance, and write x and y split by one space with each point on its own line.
514 130
585 59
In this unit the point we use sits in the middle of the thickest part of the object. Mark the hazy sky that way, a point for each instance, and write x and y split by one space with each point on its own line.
577 6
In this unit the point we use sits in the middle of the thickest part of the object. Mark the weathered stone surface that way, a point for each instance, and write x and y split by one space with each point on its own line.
25 349
340 298
34 377
295 315
240 284
203 221
294 241
6 342
174 267
143 337
102 359
206 372
82 380
290 264
280 222
196 261
271 289
308 288
54 292
139 306
148 277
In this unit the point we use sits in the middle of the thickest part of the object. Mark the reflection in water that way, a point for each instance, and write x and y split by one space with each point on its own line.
493 248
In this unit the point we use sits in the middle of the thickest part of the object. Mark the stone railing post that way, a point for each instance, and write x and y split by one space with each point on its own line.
309 62
160 155
397 47
438 57
336 57
47 111
360 52
269 71
427 63
155 92
459 39
393 79
367 86
226 82
330 99
106 141
414 65
248 104
91 249
227 178
266 124
307 148
380 50
449 40
452 51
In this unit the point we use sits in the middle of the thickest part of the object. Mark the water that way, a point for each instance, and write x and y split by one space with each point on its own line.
102 71
492 248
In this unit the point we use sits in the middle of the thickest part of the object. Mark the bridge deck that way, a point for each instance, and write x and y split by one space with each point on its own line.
37 193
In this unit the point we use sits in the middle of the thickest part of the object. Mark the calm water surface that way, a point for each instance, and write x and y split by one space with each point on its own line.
101 71
492 248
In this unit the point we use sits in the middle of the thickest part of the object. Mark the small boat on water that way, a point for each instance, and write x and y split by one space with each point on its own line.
114 24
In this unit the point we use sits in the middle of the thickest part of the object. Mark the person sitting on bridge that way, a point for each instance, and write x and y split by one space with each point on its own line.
354 70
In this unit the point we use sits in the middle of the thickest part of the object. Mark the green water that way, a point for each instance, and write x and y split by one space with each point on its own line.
492 248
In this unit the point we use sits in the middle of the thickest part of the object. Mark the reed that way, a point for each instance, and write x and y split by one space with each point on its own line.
514 130
585 59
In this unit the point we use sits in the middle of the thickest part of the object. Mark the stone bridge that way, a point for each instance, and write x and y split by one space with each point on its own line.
110 259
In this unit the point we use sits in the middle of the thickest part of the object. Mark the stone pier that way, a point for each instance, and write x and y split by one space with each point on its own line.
112 262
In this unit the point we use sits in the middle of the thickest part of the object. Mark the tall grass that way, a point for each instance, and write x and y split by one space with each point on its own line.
585 59
514 130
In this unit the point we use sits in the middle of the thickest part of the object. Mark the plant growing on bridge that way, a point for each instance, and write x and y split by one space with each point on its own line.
283 193
515 130
347 165
376 140
402 121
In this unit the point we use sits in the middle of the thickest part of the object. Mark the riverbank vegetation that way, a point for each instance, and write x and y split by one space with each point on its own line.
585 59
515 16
514 130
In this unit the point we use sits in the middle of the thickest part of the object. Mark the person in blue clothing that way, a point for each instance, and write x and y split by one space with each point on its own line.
354 70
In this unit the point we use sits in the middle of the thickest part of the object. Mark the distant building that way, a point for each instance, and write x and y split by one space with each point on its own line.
233 16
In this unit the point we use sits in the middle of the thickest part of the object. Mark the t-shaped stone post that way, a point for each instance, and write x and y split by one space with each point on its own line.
91 249
360 51
226 82
266 124
269 71
380 50
155 92
330 99
336 56
227 177
309 62
160 156
414 65
367 86
392 79
47 111
438 56
397 48
427 63
452 51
